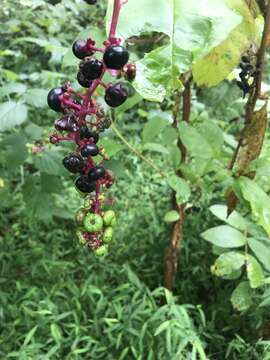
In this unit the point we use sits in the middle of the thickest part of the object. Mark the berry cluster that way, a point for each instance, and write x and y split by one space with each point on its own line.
246 75
82 120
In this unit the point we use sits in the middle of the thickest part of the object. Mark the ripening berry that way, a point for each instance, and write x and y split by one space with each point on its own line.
73 163
89 150
83 81
130 71
109 217
91 68
84 184
96 173
86 133
53 98
115 57
80 50
116 95
67 123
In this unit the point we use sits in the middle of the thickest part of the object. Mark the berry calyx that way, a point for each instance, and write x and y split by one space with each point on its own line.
67 123
93 222
115 57
81 237
89 150
53 98
73 163
79 217
96 173
116 95
80 50
84 184
83 81
107 235
91 68
86 133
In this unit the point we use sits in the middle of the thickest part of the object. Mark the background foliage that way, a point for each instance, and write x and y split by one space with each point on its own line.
56 300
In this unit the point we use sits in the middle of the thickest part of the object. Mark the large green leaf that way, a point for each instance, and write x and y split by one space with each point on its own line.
181 188
228 263
220 62
234 219
259 202
262 250
11 115
242 296
225 236
254 272
193 28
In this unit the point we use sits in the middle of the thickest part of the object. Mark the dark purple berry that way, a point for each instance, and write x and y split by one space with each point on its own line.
86 133
116 95
84 184
53 98
83 81
96 173
115 57
91 2
80 50
67 123
89 150
92 69
245 59
74 163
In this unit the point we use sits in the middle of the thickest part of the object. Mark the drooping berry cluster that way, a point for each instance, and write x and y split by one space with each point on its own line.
83 118
247 74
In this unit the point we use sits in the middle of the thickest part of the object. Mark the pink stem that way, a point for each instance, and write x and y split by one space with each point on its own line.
115 18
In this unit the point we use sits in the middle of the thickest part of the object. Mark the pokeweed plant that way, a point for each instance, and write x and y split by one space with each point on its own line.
83 119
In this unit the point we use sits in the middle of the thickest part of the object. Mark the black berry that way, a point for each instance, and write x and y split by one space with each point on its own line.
83 81
116 95
96 173
67 123
115 57
86 133
84 184
89 150
91 2
92 69
53 98
73 163
79 49
245 59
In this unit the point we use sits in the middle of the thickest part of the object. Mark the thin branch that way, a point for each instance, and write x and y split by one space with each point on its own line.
134 150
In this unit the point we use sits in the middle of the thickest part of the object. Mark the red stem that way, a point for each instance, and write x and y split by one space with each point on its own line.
115 18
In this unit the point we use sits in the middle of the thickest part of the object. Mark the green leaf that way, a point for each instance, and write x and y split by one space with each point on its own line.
225 236
11 115
235 219
221 61
12 88
36 97
193 28
228 263
242 296
152 128
194 141
30 335
171 216
156 148
56 332
181 188
111 146
254 272
258 200
49 162
213 135
262 250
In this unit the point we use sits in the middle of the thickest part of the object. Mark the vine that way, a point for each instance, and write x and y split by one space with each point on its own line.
83 119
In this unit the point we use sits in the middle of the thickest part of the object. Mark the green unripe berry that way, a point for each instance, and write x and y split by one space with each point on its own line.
107 235
93 222
81 238
79 216
109 218
101 251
